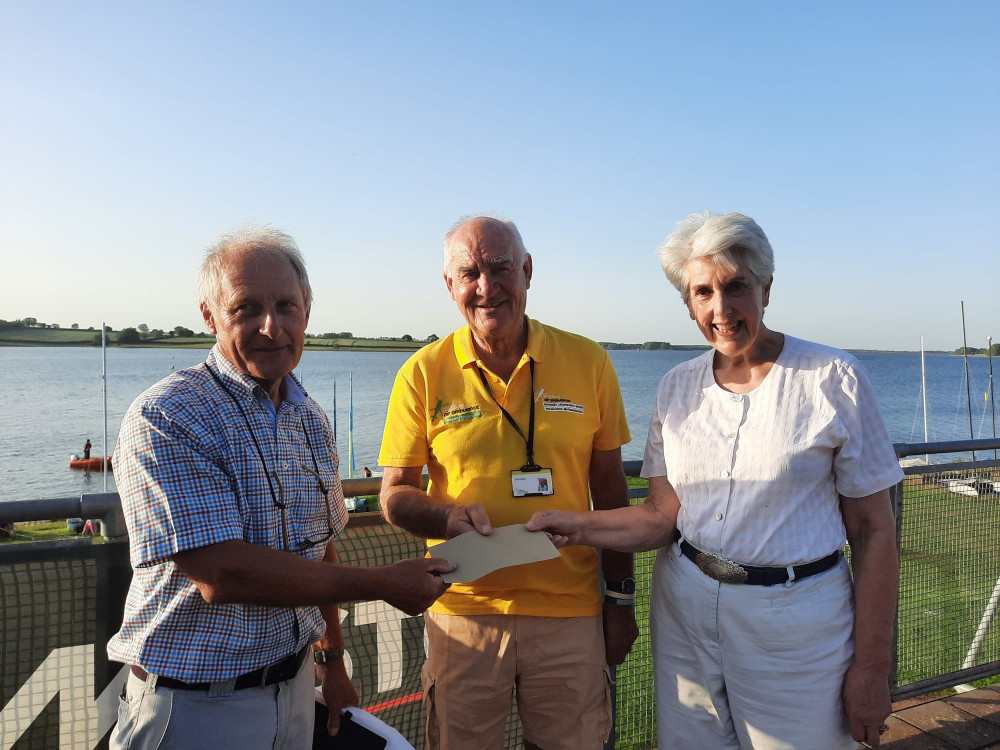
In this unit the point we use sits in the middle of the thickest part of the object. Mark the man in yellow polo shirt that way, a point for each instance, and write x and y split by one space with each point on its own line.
511 416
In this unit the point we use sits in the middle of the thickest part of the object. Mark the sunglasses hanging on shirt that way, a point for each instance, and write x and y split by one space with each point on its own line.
278 498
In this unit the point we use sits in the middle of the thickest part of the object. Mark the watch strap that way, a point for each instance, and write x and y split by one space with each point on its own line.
623 600
327 655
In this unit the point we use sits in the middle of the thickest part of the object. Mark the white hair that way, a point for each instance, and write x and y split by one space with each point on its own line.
258 242
725 239
451 247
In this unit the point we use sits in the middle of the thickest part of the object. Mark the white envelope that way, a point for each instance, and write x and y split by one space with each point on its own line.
476 555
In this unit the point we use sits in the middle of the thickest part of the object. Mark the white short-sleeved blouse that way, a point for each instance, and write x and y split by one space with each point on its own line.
759 474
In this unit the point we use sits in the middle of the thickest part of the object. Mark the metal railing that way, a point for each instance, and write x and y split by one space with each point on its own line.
61 601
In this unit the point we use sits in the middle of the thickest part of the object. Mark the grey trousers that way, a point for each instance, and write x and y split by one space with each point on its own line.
269 718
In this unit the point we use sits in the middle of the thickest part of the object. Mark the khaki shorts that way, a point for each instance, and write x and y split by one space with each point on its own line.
554 666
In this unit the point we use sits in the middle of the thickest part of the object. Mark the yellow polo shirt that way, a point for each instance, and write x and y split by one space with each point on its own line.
441 415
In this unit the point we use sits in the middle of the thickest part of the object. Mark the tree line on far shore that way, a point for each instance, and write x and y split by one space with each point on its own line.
125 336
993 351
143 333
653 346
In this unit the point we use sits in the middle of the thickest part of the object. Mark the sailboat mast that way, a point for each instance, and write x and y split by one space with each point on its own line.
350 432
993 403
104 387
968 392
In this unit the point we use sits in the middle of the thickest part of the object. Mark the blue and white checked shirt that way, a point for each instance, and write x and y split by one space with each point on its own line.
189 475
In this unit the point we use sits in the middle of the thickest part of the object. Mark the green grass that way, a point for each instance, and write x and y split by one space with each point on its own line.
47 337
41 531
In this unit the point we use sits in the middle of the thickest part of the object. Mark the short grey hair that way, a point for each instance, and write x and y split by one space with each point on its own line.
725 239
258 242
450 245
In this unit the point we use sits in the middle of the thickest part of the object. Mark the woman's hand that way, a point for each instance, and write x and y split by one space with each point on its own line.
867 703
562 527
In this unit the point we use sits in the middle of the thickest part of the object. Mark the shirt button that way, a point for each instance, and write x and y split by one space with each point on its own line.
732 434
718 516
724 474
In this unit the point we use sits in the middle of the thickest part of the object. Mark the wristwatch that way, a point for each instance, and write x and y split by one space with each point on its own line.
625 586
620 593
325 656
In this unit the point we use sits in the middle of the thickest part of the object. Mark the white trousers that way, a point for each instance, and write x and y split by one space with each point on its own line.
758 667
276 717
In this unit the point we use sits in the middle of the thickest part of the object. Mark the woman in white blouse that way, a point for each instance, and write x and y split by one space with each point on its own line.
763 456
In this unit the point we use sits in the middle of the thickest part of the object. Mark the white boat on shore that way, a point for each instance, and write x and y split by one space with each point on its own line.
971 486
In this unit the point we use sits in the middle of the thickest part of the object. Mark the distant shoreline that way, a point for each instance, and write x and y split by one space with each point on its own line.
361 346
62 337
376 345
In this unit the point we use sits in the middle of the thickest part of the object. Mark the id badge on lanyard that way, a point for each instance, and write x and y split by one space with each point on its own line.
527 483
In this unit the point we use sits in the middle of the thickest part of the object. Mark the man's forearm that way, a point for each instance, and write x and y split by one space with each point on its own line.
412 510
332 638
237 572
616 563
609 491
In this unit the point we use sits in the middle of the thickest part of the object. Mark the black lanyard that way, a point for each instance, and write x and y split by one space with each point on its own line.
280 504
530 440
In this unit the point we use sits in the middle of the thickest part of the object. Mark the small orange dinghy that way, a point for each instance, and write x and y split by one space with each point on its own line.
89 464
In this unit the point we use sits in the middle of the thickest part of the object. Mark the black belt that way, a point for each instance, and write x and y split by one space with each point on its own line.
728 571
272 674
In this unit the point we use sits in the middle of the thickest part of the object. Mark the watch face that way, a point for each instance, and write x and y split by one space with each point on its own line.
625 586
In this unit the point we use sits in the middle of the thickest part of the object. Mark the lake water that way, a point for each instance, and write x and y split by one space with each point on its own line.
50 402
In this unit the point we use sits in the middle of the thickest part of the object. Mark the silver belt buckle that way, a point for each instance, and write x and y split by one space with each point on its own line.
719 568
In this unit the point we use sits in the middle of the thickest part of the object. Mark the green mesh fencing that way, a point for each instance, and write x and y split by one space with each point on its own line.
949 576
635 702
60 603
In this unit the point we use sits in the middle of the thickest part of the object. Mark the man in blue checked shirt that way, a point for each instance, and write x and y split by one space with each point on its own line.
228 474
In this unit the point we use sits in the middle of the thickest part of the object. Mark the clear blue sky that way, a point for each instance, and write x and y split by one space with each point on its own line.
862 136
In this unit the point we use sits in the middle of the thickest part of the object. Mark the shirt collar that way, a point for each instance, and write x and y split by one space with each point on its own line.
233 378
465 352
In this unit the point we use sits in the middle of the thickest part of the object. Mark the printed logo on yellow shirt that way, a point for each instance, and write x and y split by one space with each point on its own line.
438 408
454 412
554 403
462 414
